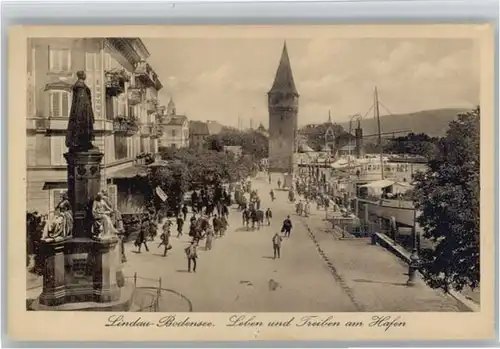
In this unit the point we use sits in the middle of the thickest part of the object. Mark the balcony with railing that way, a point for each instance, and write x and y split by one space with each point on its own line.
151 105
115 81
127 126
147 76
134 96
145 130
43 124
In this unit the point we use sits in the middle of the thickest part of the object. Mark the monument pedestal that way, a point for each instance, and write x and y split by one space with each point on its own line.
83 272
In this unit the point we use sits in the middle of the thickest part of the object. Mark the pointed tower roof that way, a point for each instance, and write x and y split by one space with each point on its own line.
283 81
171 107
171 102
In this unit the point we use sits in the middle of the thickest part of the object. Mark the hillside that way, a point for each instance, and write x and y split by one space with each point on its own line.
431 122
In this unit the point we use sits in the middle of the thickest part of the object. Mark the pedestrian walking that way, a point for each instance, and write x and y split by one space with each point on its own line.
209 236
165 238
277 245
141 237
271 193
192 255
216 225
184 212
279 184
269 215
180 225
287 227
307 209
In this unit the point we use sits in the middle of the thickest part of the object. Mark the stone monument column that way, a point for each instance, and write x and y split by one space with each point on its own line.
82 265
84 176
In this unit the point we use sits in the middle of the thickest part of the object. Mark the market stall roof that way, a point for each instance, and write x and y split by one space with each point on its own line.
384 183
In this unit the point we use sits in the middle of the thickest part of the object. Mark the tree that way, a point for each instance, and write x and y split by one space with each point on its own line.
251 142
172 178
448 197
414 144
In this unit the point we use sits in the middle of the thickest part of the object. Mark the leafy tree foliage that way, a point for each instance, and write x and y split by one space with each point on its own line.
448 196
252 142
414 144
208 167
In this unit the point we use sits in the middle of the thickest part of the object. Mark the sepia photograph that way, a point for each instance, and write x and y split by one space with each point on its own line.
240 175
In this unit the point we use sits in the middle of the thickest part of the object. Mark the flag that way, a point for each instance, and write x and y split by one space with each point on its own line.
161 194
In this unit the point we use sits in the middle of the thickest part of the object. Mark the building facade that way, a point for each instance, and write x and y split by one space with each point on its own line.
283 105
175 128
198 133
124 92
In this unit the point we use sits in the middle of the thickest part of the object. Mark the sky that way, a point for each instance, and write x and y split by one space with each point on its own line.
227 79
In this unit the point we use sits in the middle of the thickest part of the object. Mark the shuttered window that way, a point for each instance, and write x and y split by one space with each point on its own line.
59 104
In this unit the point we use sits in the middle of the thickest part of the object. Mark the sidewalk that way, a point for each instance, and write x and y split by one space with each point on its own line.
375 277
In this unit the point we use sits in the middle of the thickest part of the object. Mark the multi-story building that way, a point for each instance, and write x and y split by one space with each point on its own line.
124 92
199 131
175 128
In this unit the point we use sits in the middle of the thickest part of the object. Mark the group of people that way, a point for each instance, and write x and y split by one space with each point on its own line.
209 200
201 227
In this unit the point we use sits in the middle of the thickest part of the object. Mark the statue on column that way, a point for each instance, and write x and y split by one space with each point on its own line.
80 133
60 225
102 213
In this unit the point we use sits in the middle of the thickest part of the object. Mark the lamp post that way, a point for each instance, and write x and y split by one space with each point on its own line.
414 263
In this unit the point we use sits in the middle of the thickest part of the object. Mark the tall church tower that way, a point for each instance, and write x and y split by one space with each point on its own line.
283 105
171 107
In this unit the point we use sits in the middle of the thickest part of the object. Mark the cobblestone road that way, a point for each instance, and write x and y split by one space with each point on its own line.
317 271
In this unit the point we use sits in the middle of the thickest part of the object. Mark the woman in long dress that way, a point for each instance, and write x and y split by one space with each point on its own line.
102 214
80 132
61 224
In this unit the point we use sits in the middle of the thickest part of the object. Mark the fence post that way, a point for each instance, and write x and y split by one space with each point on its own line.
158 294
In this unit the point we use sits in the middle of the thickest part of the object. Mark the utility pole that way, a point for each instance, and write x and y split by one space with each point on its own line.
377 116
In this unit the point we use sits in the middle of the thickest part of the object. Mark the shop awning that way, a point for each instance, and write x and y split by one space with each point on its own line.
129 172
384 183
55 184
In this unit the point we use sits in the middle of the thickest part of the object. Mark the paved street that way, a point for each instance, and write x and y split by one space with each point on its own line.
239 274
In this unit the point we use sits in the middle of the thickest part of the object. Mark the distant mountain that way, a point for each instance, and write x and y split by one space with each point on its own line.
431 122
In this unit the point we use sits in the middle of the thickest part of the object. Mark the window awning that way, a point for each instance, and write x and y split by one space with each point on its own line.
129 172
384 183
55 184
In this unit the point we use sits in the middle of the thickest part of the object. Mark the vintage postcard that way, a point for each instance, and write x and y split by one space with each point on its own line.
251 183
